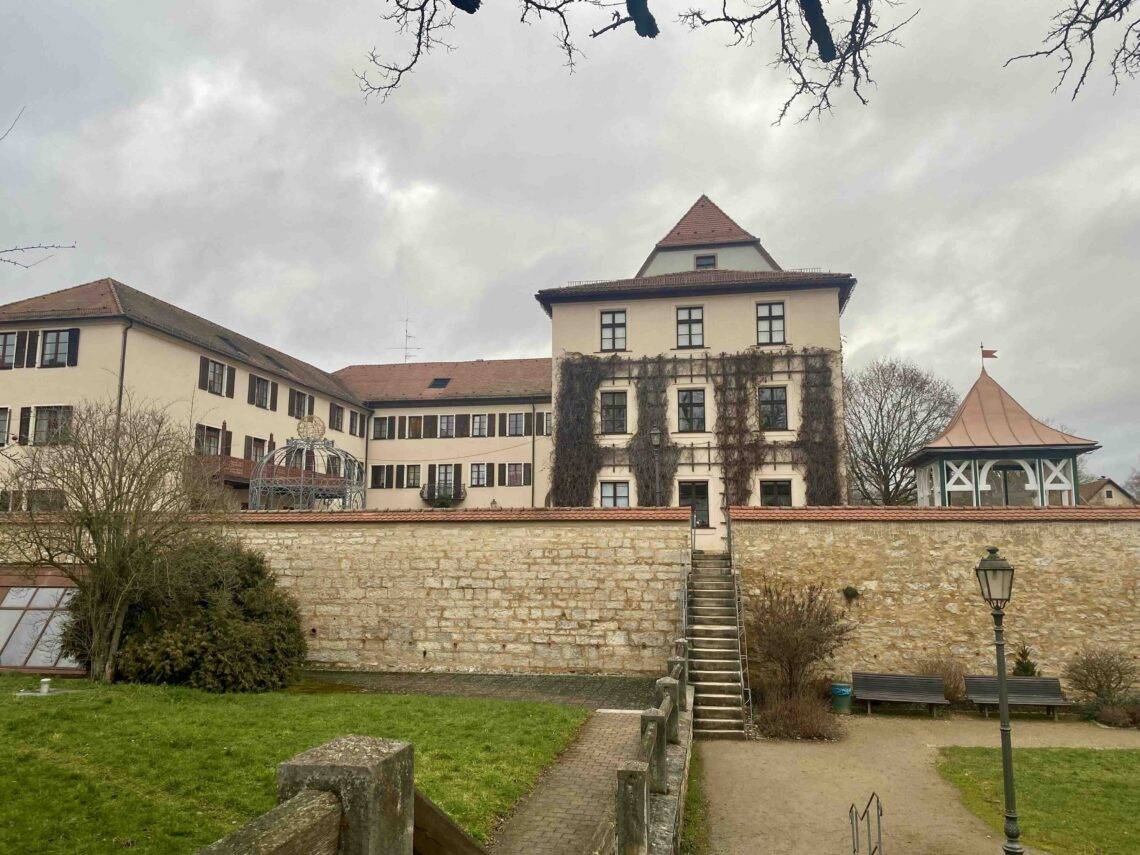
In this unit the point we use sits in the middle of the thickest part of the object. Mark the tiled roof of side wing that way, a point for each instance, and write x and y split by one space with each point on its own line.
444 381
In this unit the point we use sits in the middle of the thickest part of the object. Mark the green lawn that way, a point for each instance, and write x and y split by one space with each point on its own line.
154 769
695 833
1069 800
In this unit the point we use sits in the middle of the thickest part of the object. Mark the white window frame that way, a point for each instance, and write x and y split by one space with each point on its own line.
618 493
479 424
770 317
446 427
477 474
215 371
516 424
514 475
610 324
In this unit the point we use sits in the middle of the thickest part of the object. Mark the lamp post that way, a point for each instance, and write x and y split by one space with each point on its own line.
995 576
655 441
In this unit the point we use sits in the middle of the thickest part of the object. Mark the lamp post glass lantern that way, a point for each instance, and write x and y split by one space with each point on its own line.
655 442
995 578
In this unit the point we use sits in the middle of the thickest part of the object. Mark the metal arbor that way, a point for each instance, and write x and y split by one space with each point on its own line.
309 472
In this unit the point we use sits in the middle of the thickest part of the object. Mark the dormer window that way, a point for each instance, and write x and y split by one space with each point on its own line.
705 262
439 383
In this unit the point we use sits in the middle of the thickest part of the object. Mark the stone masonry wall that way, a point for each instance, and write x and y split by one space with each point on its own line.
1075 584
525 596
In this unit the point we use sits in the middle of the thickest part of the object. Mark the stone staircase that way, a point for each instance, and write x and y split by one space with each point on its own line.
714 648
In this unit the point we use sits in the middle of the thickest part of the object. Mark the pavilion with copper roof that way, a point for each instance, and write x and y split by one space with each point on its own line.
994 453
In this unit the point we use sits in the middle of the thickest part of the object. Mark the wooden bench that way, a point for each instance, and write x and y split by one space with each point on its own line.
898 688
1023 692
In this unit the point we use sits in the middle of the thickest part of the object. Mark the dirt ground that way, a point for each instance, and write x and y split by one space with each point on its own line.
792 797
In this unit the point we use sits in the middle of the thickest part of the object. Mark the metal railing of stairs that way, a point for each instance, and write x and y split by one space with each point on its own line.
742 641
862 820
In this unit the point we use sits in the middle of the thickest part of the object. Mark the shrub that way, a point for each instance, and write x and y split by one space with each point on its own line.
1101 674
237 632
800 717
792 633
1023 665
952 672
1114 716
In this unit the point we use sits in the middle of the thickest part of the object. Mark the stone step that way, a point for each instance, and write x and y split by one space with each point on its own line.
703 666
713 598
712 610
732 645
721 699
716 620
703 712
719 734
708 630
727 654
714 676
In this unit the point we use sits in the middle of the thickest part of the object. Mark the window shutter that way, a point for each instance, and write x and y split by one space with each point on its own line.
332 409
528 424
227 443
389 475
273 397
502 424
33 347
458 475
463 424
72 346
374 480
431 427
199 438
249 395
540 424
21 348
231 375
490 424
526 474
490 474
203 371
272 445
402 430
431 473
25 425
399 475
503 474
309 401
249 448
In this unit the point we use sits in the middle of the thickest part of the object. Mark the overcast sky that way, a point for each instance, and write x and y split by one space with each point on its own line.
219 155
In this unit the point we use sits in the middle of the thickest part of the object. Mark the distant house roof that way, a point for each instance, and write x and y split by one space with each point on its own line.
479 379
109 298
697 282
1090 488
703 224
990 419
706 225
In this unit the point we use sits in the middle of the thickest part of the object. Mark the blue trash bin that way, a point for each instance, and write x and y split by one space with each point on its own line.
841 698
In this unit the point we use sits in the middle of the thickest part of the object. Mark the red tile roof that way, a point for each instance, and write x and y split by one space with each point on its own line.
462 515
479 378
699 282
918 514
1091 488
989 418
704 223
109 298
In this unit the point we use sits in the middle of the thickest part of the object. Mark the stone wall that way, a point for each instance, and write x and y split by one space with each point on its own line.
534 590
1076 577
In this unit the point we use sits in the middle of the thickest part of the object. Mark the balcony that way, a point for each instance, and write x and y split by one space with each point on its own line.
443 495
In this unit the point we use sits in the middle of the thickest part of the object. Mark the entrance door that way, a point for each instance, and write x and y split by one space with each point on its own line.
695 495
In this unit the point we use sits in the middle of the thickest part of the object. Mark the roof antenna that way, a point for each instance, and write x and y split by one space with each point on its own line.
407 346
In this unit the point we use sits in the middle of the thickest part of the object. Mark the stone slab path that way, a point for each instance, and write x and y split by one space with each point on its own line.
792 797
561 814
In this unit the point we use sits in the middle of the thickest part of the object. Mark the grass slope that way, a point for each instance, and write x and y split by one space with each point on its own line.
157 769
1069 800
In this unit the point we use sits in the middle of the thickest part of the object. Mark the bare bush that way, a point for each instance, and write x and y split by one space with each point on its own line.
804 717
951 670
1101 674
793 633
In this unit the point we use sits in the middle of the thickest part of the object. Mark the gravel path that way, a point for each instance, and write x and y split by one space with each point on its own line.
792 797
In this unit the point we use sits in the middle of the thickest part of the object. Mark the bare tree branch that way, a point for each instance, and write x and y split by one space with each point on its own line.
39 246
13 123
1072 40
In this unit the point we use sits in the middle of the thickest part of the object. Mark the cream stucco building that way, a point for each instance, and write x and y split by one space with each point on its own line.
482 433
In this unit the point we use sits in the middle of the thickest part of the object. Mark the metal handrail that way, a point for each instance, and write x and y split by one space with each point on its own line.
858 819
742 641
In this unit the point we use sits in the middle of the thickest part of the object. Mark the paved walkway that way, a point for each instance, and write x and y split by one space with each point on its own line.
792 797
561 814
595 692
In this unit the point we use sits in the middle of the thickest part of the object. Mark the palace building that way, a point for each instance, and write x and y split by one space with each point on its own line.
713 376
